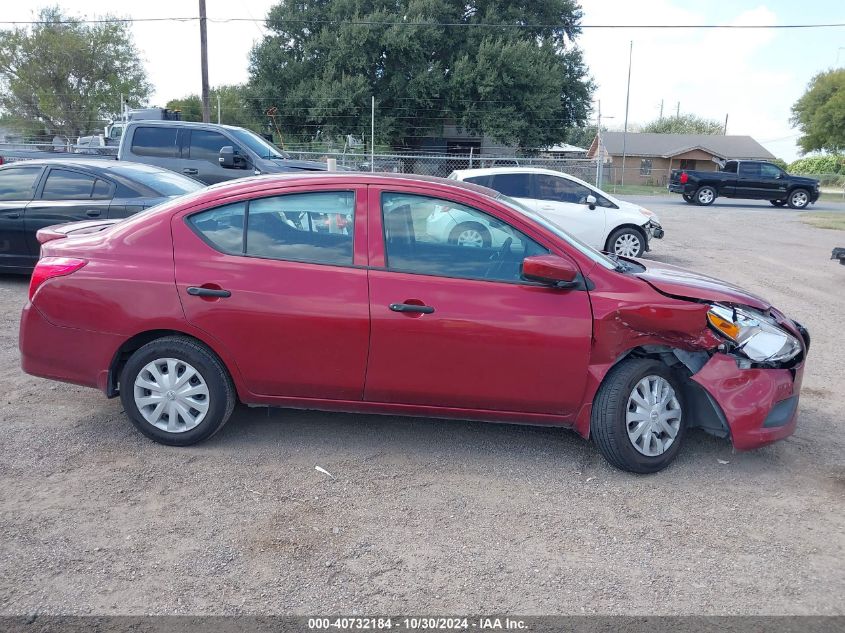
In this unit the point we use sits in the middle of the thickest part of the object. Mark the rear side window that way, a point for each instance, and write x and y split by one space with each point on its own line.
62 184
309 227
513 185
159 142
484 181
222 228
205 145
749 169
18 183
730 167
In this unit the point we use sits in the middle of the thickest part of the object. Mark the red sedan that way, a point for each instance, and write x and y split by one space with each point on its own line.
328 291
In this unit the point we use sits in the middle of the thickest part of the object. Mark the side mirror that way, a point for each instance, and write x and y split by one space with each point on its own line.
227 157
550 269
591 201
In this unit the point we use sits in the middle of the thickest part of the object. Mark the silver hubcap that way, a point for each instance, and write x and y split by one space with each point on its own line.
705 197
799 198
627 245
653 416
171 395
470 237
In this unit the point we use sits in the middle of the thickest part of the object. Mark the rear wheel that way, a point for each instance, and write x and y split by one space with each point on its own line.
470 234
638 416
705 195
176 391
778 203
627 242
799 199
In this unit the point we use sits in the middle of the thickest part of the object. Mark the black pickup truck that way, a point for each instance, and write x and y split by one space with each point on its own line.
750 179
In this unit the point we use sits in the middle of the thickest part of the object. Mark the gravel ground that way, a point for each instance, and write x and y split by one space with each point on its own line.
434 516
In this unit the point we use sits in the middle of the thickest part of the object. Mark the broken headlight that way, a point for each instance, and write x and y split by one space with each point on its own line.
756 335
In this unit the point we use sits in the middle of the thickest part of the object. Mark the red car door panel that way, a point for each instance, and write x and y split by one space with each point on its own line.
487 344
295 329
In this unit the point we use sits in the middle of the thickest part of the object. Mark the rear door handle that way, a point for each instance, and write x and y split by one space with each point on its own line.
190 171
197 291
409 307
93 213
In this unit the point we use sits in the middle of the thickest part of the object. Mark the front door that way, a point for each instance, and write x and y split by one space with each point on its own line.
17 187
454 325
274 281
750 182
564 203
201 153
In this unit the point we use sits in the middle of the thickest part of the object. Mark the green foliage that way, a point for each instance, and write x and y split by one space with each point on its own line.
68 76
234 108
320 64
684 124
826 164
780 163
820 113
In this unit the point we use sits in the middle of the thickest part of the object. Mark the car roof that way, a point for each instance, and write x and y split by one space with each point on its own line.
196 124
490 171
344 177
89 164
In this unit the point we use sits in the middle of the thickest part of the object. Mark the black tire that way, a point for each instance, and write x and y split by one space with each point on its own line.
221 391
705 196
688 198
610 247
798 198
486 238
778 203
608 422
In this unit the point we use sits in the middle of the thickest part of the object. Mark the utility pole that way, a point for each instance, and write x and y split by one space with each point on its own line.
206 107
627 101
599 157
726 124
661 109
678 111
218 107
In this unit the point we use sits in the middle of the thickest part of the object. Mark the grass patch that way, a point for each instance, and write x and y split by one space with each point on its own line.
825 220
635 190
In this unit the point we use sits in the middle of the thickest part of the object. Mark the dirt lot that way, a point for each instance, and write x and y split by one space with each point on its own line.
436 516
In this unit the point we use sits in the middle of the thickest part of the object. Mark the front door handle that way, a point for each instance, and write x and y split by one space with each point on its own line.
410 307
93 213
198 291
12 216
190 171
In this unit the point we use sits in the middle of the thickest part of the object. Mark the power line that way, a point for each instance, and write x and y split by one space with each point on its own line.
114 20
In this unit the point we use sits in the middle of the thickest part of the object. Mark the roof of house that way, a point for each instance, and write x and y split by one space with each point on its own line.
667 145
564 147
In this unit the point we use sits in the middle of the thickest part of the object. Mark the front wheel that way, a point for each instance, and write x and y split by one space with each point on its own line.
799 199
176 391
627 242
638 416
705 196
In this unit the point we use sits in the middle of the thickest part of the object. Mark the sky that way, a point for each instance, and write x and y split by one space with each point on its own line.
752 76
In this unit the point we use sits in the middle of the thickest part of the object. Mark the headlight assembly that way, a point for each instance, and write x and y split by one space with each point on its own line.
756 336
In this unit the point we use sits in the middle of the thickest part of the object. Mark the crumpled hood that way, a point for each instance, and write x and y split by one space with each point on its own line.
672 280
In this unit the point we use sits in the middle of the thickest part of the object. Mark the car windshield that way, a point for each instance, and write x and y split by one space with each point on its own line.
258 144
163 182
589 251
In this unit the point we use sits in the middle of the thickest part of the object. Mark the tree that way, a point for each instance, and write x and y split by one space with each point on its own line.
684 124
235 108
523 83
68 76
820 113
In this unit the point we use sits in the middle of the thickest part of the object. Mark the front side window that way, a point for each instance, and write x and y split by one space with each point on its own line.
437 237
205 145
159 142
557 189
18 183
310 227
68 185
770 171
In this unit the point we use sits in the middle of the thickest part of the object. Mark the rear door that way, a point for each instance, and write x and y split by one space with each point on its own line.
66 195
154 145
280 283
17 187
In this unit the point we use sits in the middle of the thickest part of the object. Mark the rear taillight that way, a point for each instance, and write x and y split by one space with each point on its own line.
49 267
684 178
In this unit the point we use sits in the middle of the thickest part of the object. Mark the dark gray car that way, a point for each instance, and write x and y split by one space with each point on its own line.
205 151
39 193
